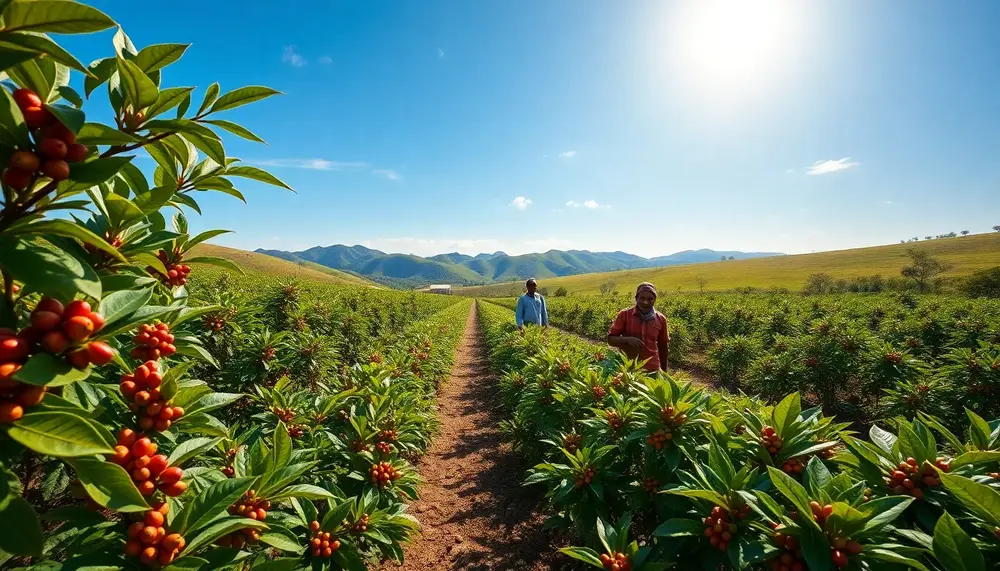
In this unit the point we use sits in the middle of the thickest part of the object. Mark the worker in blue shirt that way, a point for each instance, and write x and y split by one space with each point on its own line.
531 308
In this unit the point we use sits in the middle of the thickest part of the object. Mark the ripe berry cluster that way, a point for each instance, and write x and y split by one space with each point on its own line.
153 342
894 358
361 525
384 448
660 438
388 436
599 356
149 541
650 484
251 506
792 466
791 558
842 547
670 416
585 477
321 544
53 141
177 273
618 380
384 474
812 362
58 330
296 430
598 392
149 470
719 529
571 442
614 419
910 479
565 367
770 440
142 388
616 561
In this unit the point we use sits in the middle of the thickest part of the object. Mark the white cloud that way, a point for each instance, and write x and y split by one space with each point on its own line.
292 57
389 174
789 171
567 154
313 164
831 166
440 53
326 60
521 203
589 204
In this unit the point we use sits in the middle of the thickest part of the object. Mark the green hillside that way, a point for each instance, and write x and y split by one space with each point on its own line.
260 263
966 255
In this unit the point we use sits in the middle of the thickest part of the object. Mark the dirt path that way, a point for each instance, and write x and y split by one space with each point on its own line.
474 513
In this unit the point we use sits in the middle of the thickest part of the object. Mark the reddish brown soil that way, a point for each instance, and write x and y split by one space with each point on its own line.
474 513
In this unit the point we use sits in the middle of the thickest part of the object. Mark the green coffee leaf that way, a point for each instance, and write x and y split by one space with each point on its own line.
157 56
254 173
59 433
98 134
109 485
20 529
954 549
211 504
238 130
56 16
39 45
47 269
120 304
140 91
44 369
242 96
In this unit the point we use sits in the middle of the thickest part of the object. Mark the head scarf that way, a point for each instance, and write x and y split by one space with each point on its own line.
648 287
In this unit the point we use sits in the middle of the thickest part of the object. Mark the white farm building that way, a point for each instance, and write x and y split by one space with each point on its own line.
440 288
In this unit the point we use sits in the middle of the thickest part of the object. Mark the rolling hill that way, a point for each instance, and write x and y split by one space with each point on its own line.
403 270
259 263
966 255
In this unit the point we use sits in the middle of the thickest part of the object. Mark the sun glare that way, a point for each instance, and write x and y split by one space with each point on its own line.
731 48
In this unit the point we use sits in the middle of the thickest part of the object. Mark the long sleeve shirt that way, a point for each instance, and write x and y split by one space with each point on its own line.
654 334
531 309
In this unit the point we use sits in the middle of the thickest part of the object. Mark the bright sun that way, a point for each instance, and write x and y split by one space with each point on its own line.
732 48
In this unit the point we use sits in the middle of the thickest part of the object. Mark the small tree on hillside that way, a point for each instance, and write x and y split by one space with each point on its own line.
923 268
561 292
723 258
732 257
996 228
928 237
965 232
608 287
702 282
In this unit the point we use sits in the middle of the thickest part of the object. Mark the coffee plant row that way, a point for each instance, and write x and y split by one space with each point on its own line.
143 427
865 356
653 472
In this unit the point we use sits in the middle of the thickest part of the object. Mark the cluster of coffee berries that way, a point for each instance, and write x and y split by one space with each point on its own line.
142 389
564 367
55 146
650 484
598 392
614 419
841 548
249 506
812 362
153 342
671 417
149 541
388 436
618 380
770 440
65 330
384 448
820 512
790 558
571 442
660 438
384 474
616 562
296 430
911 479
585 477
894 358
284 414
149 470
177 273
719 529
321 544
792 466
361 525
599 356
14 396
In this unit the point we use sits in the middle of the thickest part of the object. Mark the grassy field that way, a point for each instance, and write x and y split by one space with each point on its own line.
966 255
261 263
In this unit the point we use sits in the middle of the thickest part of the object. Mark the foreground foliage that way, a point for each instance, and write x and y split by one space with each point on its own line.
652 473
246 425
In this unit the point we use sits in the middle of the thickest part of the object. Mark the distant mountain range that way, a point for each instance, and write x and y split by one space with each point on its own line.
408 271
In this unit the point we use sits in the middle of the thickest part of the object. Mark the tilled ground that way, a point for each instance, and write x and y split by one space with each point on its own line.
474 513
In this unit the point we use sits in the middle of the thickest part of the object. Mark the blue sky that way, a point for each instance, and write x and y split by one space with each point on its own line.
644 126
